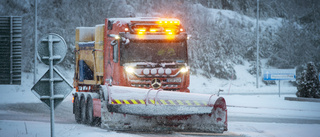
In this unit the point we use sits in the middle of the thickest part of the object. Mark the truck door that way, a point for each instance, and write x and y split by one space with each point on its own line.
112 64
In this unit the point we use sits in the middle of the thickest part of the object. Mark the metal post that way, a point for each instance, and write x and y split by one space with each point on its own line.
11 48
35 41
257 77
279 88
50 41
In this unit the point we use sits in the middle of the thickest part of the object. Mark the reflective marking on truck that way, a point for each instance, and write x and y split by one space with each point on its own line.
172 102
180 102
197 103
163 102
204 102
126 101
142 101
134 102
152 101
160 102
188 102
118 101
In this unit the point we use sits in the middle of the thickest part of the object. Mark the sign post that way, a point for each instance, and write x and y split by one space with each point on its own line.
52 87
279 74
279 88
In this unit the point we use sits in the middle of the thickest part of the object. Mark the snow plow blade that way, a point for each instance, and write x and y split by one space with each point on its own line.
127 108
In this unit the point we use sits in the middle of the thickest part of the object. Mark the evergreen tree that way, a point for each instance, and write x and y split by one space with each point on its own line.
308 83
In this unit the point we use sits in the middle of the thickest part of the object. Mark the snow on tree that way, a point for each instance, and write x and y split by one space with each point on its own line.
223 31
308 83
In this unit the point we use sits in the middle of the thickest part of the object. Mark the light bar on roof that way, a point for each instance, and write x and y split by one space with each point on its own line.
156 26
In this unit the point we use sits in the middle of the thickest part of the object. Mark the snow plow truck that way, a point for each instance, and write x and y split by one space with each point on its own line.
133 74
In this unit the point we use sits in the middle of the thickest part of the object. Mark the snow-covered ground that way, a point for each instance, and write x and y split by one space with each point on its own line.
11 128
244 84
252 112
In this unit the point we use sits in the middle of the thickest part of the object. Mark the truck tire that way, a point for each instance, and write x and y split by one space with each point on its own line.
89 111
76 109
83 110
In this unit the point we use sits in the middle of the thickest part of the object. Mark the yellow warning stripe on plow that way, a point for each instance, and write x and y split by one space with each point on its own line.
161 101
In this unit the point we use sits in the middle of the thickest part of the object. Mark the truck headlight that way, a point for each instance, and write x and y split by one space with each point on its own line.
129 70
184 70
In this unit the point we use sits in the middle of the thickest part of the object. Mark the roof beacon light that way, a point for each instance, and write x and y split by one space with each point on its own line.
169 31
153 30
166 21
141 31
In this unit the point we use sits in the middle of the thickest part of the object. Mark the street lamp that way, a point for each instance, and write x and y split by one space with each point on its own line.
35 41
257 28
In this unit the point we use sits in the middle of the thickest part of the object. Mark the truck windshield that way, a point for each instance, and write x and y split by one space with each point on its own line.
154 51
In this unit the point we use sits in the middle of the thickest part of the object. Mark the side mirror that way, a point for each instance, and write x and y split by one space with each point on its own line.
114 42
124 41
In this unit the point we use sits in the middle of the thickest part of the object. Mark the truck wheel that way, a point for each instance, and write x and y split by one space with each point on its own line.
90 118
83 110
76 109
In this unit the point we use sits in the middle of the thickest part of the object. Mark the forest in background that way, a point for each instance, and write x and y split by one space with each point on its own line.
223 31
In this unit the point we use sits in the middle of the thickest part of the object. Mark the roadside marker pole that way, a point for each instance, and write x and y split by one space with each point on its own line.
35 41
257 29
279 88
51 85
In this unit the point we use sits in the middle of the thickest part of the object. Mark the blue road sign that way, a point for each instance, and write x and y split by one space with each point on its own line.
279 74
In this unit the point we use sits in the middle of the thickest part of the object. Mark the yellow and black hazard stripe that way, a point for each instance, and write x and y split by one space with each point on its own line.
161 101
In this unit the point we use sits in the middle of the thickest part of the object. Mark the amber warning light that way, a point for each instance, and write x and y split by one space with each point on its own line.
168 22
160 27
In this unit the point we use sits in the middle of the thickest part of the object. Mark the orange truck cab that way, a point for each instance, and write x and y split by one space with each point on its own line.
133 52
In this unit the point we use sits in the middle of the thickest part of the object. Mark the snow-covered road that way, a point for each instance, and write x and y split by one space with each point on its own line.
36 112
283 112
251 112
245 118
